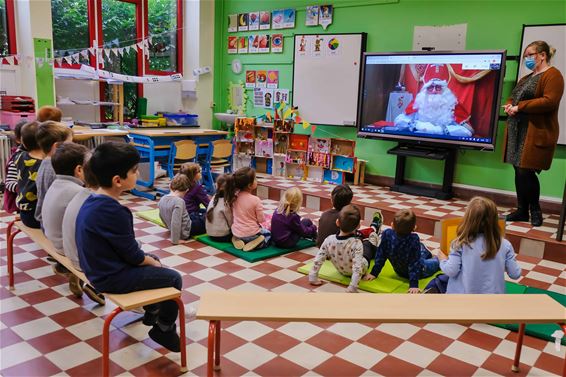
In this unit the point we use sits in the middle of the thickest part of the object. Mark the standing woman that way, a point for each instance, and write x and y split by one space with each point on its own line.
532 128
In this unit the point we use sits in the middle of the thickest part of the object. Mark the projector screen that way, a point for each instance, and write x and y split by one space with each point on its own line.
435 97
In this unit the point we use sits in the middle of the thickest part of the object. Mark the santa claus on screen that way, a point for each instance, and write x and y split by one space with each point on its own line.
435 110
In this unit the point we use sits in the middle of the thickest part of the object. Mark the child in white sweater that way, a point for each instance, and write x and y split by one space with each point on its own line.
219 214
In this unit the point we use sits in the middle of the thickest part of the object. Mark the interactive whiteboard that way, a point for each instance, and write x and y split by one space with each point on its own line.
555 36
326 77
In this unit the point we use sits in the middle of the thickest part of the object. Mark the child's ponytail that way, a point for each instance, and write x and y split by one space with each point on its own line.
191 170
220 188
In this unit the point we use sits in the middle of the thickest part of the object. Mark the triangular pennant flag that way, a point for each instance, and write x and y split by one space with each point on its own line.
146 43
18 57
150 40
313 128
75 58
298 119
306 124
59 61
92 51
68 59
140 45
107 52
128 49
10 60
84 54
287 113
121 51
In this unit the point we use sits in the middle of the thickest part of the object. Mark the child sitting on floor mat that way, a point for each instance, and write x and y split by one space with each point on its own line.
173 212
219 214
287 227
344 250
247 211
195 196
340 197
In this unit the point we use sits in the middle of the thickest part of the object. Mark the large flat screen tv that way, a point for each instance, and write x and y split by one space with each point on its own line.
432 97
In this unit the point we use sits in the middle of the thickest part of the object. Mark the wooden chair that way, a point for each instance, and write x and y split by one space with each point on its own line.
220 156
448 229
181 152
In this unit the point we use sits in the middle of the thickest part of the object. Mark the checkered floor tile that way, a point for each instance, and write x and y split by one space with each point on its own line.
44 330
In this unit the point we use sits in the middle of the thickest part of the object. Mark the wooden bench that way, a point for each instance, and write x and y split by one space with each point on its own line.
374 308
124 302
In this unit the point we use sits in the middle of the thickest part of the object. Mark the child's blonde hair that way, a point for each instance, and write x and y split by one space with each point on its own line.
480 218
191 170
291 201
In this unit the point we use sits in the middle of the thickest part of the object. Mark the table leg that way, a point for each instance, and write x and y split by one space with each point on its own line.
211 347
106 342
515 367
217 347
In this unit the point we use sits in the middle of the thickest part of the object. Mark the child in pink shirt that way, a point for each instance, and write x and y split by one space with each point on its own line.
247 211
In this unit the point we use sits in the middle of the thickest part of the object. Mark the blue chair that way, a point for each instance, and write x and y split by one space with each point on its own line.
220 156
181 152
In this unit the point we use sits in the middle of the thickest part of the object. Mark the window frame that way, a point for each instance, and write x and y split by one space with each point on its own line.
179 47
11 29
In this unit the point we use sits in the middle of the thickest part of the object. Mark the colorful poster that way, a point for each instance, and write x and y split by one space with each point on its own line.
272 79
253 44
267 98
232 45
302 46
277 43
312 15
232 23
261 79
289 18
263 43
264 20
325 16
333 46
277 19
258 97
250 79
243 22
317 46
280 95
243 45
253 21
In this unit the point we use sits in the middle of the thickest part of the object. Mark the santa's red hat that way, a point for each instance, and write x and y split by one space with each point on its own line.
436 71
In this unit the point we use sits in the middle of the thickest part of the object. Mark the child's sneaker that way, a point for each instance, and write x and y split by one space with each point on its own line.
377 221
238 243
168 339
75 285
254 243
94 295
61 270
374 239
150 317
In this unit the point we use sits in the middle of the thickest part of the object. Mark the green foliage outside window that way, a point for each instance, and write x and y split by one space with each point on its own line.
4 50
162 23
70 27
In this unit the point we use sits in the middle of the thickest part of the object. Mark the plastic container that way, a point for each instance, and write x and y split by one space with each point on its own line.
11 118
181 119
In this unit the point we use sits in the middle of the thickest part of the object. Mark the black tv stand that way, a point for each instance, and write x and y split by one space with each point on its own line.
402 151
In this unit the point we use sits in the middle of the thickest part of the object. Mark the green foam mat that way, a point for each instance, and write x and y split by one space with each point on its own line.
387 281
542 330
151 215
255 255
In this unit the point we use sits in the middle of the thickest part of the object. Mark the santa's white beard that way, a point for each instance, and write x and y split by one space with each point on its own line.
437 109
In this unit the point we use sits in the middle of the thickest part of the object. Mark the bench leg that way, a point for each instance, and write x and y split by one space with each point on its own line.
181 306
515 367
213 348
217 347
106 342
10 252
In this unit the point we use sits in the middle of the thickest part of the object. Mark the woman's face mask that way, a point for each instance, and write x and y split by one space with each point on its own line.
530 62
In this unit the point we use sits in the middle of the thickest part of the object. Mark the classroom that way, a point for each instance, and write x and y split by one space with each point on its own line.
282 188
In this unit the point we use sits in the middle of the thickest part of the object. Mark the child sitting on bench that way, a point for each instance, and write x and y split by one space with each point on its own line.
219 214
109 254
173 212
479 256
287 227
408 256
344 250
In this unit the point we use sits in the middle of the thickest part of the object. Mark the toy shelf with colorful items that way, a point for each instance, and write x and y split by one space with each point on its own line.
263 157
244 139
342 160
297 156
318 158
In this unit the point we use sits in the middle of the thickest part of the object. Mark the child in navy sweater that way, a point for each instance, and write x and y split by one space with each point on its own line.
195 196
287 227
109 254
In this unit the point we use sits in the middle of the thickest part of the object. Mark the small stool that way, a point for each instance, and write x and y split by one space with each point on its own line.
360 173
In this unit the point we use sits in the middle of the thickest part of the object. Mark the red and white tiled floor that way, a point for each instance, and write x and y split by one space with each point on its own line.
45 331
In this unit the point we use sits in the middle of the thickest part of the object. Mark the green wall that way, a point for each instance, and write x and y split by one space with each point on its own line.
389 24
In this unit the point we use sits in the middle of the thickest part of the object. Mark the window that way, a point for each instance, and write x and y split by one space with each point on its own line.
164 23
71 32
7 28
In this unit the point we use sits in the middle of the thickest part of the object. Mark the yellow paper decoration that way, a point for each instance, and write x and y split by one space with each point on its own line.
306 124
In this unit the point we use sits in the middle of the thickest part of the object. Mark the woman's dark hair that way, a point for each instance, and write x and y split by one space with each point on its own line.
240 180
220 187
112 159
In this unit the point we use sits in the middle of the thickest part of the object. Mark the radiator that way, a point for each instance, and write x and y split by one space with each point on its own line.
5 148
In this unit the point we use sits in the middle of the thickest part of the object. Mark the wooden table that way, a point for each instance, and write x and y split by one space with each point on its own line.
154 144
81 133
216 306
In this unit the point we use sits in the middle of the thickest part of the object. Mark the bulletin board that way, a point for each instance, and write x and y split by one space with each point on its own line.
555 36
326 77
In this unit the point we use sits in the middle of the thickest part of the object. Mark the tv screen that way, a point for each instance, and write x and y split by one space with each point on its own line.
432 97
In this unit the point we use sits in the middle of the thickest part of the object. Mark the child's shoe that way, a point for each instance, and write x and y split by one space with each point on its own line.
254 243
61 270
94 295
238 243
150 317
374 239
75 285
168 339
377 221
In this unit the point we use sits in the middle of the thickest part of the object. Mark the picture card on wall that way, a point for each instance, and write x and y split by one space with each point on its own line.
289 18
325 16
264 20
232 45
258 97
281 95
302 46
253 21
250 79
277 19
333 46
253 43
317 46
232 23
312 15
263 42
277 43
243 22
261 79
272 79
267 98
243 45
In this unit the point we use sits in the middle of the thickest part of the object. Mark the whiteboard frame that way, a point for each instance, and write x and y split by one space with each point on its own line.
363 47
562 69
